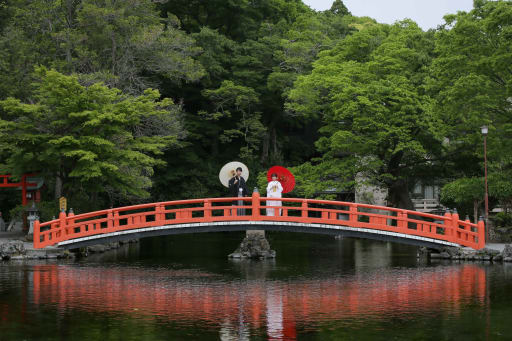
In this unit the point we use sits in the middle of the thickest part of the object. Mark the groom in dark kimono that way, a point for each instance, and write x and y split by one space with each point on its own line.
238 188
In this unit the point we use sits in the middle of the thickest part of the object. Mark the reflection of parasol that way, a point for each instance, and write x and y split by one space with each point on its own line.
229 170
284 176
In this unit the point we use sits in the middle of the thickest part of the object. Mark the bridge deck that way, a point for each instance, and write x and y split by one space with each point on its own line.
297 215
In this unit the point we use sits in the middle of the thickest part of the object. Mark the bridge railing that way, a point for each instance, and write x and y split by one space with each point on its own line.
446 228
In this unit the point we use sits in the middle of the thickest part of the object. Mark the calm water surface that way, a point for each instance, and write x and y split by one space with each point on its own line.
319 288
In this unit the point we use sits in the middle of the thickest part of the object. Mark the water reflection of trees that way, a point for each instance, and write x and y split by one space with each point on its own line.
238 307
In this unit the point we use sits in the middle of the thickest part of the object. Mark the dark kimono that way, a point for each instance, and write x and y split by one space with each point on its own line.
234 190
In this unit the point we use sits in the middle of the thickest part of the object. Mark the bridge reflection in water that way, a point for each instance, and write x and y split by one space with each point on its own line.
238 308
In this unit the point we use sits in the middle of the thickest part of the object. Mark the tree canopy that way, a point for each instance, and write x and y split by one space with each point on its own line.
90 139
126 101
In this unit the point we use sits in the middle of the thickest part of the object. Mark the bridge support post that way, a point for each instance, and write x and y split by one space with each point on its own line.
255 233
254 246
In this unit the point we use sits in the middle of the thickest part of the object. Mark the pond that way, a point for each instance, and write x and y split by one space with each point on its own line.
318 288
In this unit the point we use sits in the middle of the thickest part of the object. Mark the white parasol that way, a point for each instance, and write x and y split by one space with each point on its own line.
229 170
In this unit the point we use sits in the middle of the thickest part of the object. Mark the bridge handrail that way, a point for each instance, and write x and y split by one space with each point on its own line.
447 228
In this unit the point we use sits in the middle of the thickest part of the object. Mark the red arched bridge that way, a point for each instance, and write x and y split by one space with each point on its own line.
297 215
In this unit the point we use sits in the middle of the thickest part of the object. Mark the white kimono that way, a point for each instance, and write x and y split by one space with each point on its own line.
274 190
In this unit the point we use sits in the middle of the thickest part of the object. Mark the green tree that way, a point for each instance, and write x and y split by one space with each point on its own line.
368 92
125 44
238 20
472 86
128 44
500 188
235 103
89 139
339 8
465 194
264 60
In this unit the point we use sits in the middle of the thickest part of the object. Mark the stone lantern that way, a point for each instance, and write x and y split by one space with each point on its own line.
33 215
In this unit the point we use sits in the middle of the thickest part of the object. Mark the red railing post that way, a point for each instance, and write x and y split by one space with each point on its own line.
399 219
37 236
62 225
353 215
207 211
70 222
481 233
256 205
304 208
455 226
110 219
158 216
447 222
116 219
467 228
162 212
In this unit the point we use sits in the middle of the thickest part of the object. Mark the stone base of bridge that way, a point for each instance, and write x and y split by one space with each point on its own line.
254 246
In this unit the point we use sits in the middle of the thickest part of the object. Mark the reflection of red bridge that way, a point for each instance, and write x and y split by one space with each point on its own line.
298 215
281 307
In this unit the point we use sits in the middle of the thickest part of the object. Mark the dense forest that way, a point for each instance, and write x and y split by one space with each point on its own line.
119 102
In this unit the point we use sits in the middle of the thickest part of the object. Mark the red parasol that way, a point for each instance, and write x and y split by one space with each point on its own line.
284 176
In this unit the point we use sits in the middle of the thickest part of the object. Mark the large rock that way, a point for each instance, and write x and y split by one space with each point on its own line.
487 251
12 248
98 248
451 251
503 234
507 251
445 255
254 246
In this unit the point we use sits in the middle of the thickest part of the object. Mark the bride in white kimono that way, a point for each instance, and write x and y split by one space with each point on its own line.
274 190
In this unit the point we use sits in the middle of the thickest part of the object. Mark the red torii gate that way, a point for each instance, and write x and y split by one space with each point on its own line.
4 183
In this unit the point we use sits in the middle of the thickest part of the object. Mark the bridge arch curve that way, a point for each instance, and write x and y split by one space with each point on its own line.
297 215
334 230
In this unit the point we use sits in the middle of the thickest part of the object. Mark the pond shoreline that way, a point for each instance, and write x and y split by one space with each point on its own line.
491 253
15 246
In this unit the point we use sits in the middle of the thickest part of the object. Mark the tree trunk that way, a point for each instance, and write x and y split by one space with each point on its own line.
475 211
399 195
215 144
69 20
398 191
275 150
58 187
270 148
113 56
94 197
265 148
